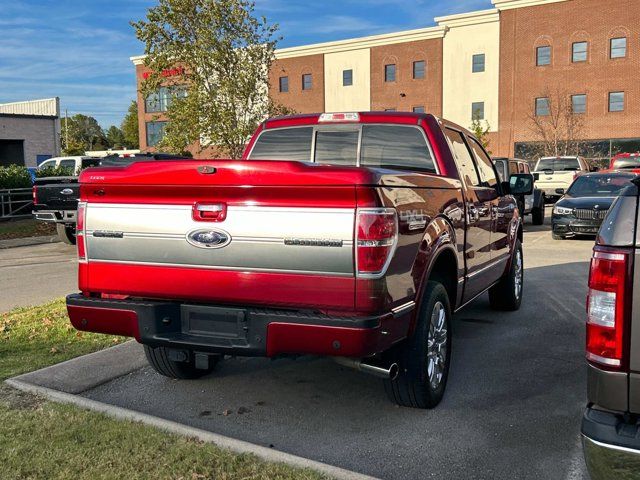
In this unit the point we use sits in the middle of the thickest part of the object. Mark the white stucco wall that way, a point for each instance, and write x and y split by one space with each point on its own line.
468 35
356 97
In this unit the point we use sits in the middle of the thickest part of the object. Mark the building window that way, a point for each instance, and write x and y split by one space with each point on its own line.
418 109
284 84
478 63
347 78
155 132
307 81
477 111
616 101
390 73
580 52
618 47
543 56
542 107
579 103
419 69
160 101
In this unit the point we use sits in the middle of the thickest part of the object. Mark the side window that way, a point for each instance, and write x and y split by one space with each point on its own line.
68 163
47 164
513 168
292 144
395 146
521 168
527 169
487 172
464 161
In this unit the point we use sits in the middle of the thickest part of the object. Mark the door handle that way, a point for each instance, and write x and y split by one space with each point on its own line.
209 212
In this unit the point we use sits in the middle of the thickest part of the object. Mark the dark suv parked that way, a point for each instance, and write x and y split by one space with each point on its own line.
611 423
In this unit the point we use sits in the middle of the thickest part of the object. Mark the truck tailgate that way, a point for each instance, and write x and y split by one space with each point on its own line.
277 243
57 193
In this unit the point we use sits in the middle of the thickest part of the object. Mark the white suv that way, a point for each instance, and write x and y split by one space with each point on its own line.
558 173
75 164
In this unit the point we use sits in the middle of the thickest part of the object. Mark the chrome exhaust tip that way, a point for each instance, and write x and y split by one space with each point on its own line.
390 373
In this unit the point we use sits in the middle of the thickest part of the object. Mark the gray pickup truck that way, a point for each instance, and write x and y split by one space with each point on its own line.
611 423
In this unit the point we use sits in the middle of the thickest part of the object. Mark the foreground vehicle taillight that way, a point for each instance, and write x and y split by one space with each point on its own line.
35 195
80 235
607 309
376 238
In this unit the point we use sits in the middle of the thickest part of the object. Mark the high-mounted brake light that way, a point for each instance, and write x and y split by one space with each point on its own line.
376 239
339 117
80 232
607 315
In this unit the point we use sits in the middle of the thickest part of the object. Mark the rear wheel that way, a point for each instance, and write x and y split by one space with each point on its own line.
165 364
507 293
424 358
67 234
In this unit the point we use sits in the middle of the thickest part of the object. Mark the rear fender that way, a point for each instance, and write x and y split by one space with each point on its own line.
439 239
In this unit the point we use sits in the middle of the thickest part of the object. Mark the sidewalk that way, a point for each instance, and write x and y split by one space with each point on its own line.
28 241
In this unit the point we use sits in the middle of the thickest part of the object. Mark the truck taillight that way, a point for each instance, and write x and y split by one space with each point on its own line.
376 239
607 312
80 235
35 195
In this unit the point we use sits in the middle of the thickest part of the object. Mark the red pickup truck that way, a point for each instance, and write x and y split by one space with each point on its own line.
354 236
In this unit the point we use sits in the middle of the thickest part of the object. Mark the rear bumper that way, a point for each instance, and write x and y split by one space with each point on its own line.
55 216
237 330
611 446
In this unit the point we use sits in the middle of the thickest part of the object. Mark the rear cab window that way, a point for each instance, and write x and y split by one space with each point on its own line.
558 164
368 145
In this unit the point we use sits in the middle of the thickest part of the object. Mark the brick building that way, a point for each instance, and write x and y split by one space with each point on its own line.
500 65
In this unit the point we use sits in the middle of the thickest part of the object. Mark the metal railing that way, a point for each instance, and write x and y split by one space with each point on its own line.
15 203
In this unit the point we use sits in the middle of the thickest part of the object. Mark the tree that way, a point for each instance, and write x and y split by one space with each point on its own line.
481 131
115 137
129 127
221 54
81 133
561 131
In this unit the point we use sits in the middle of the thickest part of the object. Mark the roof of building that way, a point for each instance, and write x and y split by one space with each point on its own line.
46 107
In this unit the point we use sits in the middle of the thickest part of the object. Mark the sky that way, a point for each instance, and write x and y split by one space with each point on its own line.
79 50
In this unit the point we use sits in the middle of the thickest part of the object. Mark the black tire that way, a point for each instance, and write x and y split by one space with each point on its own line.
159 359
558 237
507 294
412 387
537 215
66 233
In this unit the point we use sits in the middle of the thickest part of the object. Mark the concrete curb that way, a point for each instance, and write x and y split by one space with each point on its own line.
28 241
237 446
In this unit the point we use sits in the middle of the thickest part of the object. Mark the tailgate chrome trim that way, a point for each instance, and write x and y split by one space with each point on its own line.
214 267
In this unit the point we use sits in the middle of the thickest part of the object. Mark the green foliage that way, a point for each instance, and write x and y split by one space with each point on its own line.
81 133
481 131
221 53
129 127
14 176
58 171
115 137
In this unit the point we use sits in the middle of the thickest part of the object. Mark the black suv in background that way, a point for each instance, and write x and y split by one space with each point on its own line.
611 423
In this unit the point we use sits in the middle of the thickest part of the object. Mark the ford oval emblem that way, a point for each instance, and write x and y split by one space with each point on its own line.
66 191
208 238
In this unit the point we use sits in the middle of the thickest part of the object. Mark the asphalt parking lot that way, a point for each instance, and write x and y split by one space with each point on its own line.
36 274
512 409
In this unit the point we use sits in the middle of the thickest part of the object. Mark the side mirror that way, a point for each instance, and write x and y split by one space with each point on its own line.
521 184
536 176
560 191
